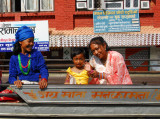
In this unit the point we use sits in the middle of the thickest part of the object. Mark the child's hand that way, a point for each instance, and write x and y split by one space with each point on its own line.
18 83
93 74
87 66
43 84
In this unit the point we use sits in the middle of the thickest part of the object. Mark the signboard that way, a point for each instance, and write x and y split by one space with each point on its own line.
116 21
8 30
90 94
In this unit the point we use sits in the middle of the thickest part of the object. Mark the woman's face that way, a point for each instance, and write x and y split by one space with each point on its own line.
26 45
98 50
79 60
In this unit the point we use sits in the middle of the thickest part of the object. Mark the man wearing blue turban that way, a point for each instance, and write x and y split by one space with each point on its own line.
26 63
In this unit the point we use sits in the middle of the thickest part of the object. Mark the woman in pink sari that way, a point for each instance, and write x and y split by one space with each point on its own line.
108 66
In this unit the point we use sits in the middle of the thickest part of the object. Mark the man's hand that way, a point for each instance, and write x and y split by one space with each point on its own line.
18 83
43 84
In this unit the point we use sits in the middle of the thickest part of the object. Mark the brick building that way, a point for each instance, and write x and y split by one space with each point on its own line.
71 25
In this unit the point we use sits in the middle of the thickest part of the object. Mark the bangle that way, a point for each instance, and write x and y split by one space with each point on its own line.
91 71
44 79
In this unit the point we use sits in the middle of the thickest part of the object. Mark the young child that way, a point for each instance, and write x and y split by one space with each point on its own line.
77 74
26 63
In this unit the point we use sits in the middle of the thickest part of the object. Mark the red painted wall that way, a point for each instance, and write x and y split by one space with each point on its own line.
83 21
51 19
146 19
65 16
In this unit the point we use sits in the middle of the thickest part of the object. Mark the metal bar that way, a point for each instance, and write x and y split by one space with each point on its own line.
48 60
62 65
9 95
143 65
4 65
5 60
5 85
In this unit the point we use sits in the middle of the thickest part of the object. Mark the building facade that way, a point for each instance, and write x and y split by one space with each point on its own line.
71 25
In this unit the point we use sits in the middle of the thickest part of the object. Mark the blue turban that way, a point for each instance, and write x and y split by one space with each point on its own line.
23 33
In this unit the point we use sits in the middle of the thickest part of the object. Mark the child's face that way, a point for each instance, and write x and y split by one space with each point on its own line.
79 60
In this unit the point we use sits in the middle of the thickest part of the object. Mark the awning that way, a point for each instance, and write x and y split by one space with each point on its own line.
80 37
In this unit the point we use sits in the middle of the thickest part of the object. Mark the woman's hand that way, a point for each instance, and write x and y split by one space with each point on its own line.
43 84
93 74
87 66
18 83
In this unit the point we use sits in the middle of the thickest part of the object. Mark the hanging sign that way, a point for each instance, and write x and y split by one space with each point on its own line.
116 21
8 31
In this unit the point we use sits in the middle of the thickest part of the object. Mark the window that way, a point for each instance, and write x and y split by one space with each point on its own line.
29 5
90 4
112 5
87 4
46 5
26 5
131 4
144 4
5 6
81 5
37 5
16 5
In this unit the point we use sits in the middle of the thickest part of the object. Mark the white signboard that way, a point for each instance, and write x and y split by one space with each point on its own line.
8 30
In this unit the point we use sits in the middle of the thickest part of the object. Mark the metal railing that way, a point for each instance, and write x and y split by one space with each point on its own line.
59 63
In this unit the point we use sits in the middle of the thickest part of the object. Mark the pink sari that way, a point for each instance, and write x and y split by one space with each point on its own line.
115 69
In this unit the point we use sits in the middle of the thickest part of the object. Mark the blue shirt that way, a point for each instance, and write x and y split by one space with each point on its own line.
38 67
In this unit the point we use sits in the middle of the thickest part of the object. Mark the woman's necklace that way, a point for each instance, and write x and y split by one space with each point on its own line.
21 66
